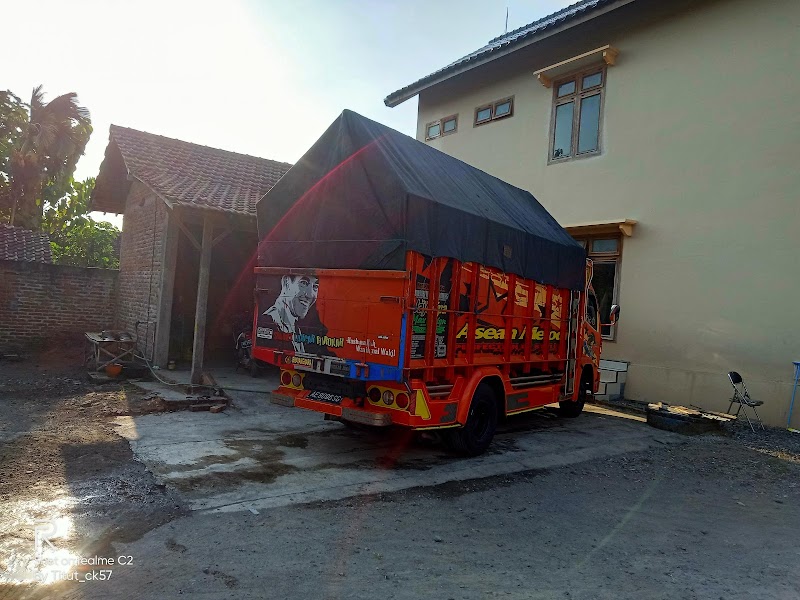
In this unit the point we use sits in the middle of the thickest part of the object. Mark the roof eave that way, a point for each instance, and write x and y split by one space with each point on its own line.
215 209
400 96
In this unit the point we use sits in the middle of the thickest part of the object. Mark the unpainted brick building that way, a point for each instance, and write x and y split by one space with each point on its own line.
181 201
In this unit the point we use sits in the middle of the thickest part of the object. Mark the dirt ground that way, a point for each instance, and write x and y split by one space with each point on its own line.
61 460
712 517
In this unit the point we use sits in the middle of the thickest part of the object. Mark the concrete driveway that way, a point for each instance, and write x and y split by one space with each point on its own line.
258 455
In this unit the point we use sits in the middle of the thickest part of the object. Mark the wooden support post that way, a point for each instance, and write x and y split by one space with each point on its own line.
221 237
185 230
202 302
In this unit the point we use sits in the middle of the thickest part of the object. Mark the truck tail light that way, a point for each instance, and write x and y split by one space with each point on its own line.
297 380
388 397
401 400
375 395
286 378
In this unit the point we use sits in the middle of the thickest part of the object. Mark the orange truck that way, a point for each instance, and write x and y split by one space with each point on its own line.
487 312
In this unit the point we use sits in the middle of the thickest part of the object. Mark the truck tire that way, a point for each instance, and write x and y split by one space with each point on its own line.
573 408
477 433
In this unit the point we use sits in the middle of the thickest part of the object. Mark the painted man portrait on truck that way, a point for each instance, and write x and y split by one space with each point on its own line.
298 294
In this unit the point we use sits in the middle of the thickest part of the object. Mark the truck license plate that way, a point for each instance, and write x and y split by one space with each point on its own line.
326 397
340 368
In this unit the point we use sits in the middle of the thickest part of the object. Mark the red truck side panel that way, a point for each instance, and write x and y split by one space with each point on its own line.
412 347
483 316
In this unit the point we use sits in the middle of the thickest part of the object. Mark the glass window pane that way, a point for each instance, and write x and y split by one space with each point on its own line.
591 310
605 245
603 280
562 137
589 128
484 114
449 125
502 109
566 88
592 80
434 130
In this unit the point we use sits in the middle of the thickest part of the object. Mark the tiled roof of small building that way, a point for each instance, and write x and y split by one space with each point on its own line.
185 173
17 243
505 41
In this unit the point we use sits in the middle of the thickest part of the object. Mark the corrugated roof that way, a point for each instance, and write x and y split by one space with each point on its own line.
17 243
505 41
183 173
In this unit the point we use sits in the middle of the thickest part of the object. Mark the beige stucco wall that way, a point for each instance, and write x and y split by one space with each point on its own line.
700 142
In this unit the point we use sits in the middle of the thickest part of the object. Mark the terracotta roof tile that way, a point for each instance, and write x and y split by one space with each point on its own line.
17 243
191 174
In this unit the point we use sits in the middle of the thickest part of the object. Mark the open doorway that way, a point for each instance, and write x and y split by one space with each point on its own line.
230 295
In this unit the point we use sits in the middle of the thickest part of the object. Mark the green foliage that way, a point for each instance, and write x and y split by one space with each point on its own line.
87 244
40 147
13 117
40 144
70 208
75 238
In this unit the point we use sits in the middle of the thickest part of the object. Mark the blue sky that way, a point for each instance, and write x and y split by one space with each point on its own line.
254 76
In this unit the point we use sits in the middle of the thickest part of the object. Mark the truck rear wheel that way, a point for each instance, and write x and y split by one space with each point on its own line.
477 433
573 408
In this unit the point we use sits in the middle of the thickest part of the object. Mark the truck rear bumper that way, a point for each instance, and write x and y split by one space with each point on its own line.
281 399
365 417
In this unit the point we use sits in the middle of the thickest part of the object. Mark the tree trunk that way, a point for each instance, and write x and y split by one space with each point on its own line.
29 212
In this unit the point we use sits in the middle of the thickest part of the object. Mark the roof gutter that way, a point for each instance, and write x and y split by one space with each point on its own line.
402 95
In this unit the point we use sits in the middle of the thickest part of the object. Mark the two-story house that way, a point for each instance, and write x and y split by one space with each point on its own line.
664 136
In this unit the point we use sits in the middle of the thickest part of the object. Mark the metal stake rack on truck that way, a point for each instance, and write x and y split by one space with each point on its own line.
400 286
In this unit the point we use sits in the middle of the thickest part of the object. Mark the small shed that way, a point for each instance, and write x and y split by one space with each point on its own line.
189 240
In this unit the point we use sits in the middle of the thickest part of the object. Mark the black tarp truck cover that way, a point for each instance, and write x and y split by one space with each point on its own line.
365 194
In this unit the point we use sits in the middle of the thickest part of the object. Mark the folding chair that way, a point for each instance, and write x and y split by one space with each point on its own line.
742 397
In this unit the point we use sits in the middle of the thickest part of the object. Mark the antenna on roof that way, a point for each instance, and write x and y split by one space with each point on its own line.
506 31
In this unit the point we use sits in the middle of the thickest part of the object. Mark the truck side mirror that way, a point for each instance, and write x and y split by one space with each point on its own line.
614 313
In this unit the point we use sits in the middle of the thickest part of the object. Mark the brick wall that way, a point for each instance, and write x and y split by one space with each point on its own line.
42 302
70 300
141 254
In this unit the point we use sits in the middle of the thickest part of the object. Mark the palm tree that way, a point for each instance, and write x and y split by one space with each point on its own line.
44 159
